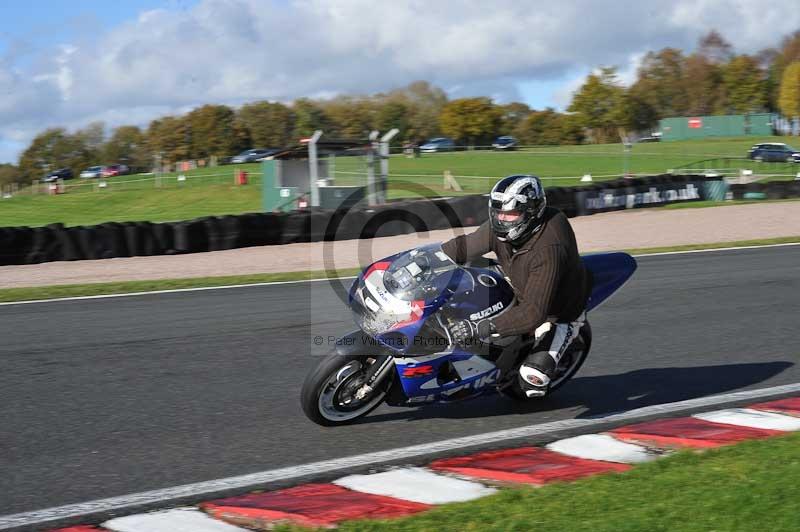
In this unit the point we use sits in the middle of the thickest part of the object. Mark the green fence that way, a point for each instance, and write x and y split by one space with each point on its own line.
699 127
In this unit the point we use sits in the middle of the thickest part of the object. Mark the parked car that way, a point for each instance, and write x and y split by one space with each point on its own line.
253 155
774 152
92 172
115 169
55 175
506 143
269 153
438 144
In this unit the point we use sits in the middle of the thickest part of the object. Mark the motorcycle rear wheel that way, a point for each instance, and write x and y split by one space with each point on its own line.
571 361
328 396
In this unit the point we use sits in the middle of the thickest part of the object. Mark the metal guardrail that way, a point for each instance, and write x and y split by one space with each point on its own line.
730 166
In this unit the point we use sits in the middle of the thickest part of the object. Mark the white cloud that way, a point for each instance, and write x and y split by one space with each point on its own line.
232 51
563 96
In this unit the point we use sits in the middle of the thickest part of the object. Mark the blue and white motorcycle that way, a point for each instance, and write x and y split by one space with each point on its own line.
403 354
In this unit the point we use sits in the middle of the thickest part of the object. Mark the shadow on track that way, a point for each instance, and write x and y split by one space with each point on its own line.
607 394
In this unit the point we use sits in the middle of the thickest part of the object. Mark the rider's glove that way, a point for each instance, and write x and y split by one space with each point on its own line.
465 330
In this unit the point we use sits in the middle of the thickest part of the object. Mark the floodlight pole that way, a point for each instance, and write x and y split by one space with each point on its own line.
371 185
313 167
383 184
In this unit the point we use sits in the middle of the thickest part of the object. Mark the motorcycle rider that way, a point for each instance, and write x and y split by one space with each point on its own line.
536 248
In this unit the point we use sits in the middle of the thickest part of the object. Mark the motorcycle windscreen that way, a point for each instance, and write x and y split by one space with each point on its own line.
393 294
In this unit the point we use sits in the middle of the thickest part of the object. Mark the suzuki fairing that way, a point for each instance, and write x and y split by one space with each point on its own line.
403 355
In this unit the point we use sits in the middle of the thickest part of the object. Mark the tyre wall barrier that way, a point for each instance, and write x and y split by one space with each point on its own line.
25 245
15 243
771 190
652 191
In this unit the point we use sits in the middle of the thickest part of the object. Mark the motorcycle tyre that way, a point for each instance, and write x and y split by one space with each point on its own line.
312 388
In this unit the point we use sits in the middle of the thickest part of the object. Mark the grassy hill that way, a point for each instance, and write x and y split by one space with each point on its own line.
211 191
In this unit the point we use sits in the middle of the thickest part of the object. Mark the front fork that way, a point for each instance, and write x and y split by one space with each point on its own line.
375 373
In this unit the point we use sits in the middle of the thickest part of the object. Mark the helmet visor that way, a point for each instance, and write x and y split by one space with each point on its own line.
505 221
509 216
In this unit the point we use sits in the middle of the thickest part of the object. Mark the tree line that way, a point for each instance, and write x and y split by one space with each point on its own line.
710 80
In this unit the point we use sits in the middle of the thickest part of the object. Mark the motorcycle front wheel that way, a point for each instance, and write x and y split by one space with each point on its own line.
334 393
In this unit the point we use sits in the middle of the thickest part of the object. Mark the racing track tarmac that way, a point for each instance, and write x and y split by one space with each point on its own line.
112 396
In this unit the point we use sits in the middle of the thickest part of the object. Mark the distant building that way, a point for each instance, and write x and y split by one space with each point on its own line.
699 127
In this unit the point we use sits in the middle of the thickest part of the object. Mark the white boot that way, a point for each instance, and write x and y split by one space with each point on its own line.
537 381
536 372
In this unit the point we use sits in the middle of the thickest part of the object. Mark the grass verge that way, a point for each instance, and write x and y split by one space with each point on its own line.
716 245
124 287
210 191
749 486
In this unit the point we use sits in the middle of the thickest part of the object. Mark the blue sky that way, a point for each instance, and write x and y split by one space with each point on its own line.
55 22
30 29
46 23
68 63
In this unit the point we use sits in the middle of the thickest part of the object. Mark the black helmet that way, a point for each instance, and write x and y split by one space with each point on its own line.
516 208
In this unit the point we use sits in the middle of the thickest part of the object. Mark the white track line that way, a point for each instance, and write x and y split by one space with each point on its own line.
171 291
270 283
709 250
255 480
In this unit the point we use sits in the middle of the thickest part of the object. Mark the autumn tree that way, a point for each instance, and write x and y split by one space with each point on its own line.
540 127
512 115
267 124
470 120
127 145
660 82
788 53
350 117
789 99
393 114
53 148
635 113
92 137
169 138
308 117
768 62
572 131
10 174
211 131
744 86
714 48
703 85
425 103
790 48
598 105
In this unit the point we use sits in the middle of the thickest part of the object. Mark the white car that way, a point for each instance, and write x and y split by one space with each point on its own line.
92 172
438 144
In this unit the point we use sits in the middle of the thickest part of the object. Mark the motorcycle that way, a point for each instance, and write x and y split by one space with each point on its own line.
403 354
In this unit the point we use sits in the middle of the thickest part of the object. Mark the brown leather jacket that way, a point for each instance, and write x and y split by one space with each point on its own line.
547 274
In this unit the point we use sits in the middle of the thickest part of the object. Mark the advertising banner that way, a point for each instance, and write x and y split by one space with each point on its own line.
640 194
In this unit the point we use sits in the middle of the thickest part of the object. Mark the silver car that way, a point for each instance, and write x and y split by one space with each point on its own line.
92 172
438 144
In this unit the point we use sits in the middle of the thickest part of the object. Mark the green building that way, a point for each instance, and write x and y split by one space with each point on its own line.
700 127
